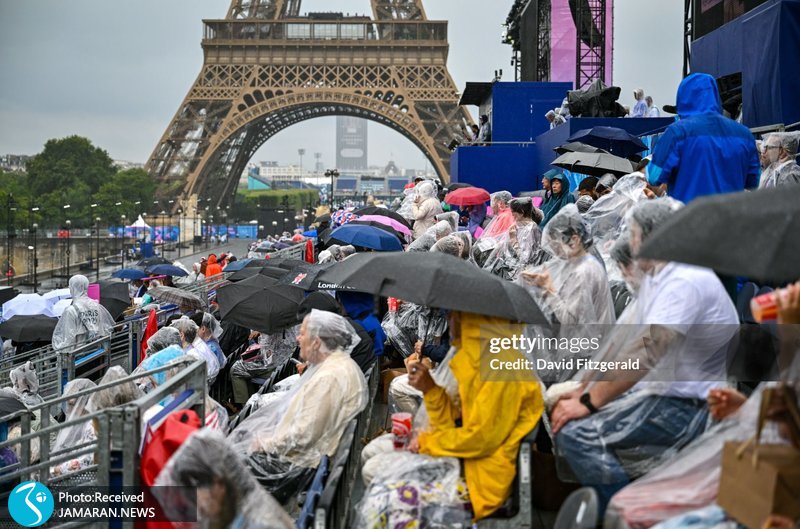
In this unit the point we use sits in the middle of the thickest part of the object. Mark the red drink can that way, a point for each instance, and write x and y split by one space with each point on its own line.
401 430
764 307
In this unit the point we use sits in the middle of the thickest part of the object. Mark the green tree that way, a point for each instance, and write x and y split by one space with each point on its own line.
65 163
126 188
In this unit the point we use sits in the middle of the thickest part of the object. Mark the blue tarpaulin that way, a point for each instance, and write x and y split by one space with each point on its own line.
763 45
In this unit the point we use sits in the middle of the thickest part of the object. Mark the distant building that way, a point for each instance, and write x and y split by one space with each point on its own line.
352 143
123 165
14 162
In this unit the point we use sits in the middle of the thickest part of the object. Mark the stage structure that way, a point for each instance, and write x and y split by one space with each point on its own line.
562 40
267 68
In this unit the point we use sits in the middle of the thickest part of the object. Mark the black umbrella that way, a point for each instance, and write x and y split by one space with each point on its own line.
114 296
286 263
259 303
323 218
375 210
37 328
753 234
152 261
595 164
612 139
309 278
9 405
457 185
576 146
7 293
267 271
436 280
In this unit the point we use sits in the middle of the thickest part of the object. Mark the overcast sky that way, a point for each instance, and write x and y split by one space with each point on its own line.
116 72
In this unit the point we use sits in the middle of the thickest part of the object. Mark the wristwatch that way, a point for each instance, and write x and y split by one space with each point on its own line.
586 400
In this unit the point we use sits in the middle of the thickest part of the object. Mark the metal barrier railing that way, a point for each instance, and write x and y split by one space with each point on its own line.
115 450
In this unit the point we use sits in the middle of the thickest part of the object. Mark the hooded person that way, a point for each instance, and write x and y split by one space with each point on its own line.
425 208
477 214
84 320
559 197
438 231
209 330
163 348
360 307
502 219
218 487
363 353
780 149
520 247
573 285
494 417
213 268
81 433
284 443
703 153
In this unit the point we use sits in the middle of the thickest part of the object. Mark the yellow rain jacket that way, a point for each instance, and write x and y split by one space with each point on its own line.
495 416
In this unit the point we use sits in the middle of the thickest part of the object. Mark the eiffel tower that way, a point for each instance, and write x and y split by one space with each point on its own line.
267 68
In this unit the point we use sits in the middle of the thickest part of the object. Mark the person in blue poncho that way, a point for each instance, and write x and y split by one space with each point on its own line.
360 307
704 153
559 197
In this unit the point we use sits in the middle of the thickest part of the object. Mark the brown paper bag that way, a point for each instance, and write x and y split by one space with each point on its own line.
758 480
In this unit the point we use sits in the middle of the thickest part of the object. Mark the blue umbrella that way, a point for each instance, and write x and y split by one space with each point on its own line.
167 270
612 139
129 273
310 233
367 237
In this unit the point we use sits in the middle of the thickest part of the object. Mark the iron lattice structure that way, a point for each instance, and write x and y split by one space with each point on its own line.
266 68
590 48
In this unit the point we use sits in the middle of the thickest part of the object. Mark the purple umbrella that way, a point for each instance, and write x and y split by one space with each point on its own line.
386 221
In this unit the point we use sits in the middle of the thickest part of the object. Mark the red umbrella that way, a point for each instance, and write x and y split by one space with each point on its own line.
467 196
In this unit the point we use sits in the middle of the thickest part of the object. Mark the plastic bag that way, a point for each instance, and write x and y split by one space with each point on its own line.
209 478
416 489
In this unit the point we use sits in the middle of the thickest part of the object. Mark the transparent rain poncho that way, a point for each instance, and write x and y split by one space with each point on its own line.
206 462
407 203
425 242
78 434
425 208
606 217
577 291
781 172
450 245
518 248
689 480
412 322
163 338
84 321
283 441
275 348
115 395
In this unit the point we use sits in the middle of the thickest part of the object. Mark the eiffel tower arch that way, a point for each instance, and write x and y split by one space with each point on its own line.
266 68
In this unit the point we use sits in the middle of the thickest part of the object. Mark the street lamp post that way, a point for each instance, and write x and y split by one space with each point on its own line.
123 239
91 218
69 235
97 238
181 222
34 227
274 227
10 236
332 173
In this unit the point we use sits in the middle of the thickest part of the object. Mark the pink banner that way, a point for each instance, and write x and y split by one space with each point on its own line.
563 54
